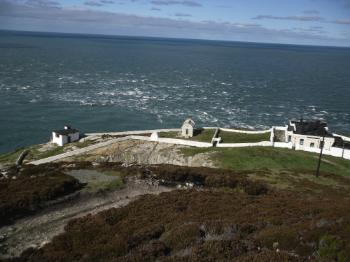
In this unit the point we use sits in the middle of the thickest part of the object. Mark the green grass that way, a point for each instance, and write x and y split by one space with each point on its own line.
172 134
204 136
11 157
233 137
99 186
35 154
268 158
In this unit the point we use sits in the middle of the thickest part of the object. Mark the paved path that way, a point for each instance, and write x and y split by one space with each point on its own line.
78 151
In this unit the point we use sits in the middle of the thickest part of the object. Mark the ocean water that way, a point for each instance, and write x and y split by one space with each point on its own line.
97 83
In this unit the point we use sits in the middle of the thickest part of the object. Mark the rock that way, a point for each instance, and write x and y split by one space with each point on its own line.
275 245
2 238
322 222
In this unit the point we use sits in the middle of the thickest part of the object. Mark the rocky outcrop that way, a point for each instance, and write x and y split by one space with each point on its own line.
143 152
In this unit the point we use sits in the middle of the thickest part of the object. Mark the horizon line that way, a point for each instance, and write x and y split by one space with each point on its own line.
170 38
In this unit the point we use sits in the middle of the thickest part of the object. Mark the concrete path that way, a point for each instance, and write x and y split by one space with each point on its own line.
78 151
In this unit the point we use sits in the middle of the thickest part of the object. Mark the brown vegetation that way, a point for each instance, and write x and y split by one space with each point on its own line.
226 218
24 191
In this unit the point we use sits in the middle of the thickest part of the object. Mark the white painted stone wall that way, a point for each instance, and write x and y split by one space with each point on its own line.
245 131
61 140
136 132
187 130
174 141
283 145
263 143
328 150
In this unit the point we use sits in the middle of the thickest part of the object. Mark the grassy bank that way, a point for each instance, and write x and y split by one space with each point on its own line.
269 158
36 152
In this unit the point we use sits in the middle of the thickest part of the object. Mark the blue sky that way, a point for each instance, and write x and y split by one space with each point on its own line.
313 22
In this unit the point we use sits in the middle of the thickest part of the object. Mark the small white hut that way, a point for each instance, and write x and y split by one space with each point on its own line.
65 136
187 129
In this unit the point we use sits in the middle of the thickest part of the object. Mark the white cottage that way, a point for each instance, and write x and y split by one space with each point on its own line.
65 136
308 134
187 129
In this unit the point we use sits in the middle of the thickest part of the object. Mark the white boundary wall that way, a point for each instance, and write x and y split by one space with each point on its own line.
173 141
333 151
136 132
263 143
283 145
245 131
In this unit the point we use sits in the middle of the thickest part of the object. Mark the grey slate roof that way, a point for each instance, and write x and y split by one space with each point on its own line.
311 128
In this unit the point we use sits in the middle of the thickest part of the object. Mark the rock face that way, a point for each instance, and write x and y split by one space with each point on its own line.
141 152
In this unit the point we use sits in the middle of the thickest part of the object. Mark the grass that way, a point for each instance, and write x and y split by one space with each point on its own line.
273 159
172 134
233 137
100 186
204 135
35 153
11 157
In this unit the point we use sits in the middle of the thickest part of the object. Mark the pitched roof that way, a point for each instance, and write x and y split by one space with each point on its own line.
311 128
340 143
190 122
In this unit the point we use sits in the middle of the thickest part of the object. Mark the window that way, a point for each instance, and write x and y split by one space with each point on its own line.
57 135
301 142
312 144
186 131
289 138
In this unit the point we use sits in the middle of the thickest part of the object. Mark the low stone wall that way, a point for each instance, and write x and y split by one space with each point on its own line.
333 151
245 131
173 141
283 145
136 132
263 143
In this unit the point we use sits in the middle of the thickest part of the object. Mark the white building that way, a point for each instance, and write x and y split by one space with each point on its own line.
65 136
187 129
308 134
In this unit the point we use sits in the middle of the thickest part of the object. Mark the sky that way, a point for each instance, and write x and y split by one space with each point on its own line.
310 22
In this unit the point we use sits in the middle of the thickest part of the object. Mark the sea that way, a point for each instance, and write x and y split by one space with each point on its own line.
114 83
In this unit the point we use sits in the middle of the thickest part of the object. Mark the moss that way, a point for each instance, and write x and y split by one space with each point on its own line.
331 248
